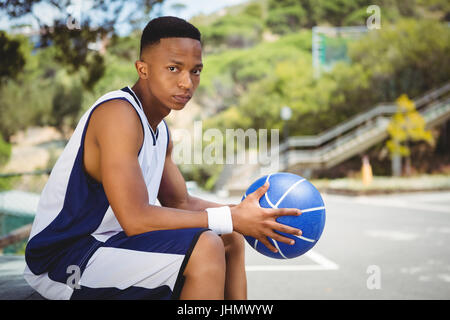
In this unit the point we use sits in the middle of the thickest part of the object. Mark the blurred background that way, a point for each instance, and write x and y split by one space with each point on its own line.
359 91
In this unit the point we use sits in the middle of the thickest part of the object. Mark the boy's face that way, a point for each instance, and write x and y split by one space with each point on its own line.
171 69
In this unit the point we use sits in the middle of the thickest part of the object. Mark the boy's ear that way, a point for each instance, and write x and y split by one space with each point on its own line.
142 69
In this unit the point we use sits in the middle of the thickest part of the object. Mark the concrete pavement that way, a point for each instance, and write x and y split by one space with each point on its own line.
373 247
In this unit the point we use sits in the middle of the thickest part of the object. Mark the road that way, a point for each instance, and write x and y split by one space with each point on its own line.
377 247
372 247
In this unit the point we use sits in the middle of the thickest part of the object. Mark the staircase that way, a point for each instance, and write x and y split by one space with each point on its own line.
332 147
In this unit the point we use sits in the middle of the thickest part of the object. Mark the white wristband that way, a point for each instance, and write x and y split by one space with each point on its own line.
219 220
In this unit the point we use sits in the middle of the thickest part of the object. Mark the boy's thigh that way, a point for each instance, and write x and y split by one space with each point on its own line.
145 266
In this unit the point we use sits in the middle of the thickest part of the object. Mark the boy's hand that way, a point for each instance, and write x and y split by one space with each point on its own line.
250 219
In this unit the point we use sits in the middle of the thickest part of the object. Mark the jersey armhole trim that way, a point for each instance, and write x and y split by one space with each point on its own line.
133 95
83 136
168 135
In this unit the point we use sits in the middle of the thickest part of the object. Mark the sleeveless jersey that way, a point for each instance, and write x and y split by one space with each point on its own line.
73 216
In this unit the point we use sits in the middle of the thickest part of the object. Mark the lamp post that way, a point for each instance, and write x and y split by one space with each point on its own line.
286 114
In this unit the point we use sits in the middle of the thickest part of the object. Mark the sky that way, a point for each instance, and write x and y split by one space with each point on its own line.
193 7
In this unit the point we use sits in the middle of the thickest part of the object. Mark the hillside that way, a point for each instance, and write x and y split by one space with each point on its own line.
257 59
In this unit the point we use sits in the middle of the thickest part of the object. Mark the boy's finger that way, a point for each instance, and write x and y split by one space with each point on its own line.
269 246
286 212
278 237
258 193
286 229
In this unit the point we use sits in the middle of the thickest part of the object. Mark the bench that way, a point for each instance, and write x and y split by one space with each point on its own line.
12 284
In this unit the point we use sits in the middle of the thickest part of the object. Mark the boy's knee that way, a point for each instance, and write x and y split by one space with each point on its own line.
208 254
234 243
211 245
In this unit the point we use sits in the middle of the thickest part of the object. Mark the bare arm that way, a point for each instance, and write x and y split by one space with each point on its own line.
196 203
173 192
248 217
118 134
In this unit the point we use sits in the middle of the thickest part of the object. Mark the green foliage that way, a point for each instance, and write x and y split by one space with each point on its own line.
284 20
398 58
402 57
5 151
20 106
10 52
254 10
71 41
25 101
5 154
226 76
45 93
6 183
246 79
72 51
66 106
119 73
291 15
204 174
231 31
351 93
336 12
125 48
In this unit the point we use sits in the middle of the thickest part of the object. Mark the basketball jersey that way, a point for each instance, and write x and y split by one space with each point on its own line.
73 215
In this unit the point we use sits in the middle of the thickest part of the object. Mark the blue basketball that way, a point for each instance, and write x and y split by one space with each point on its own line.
288 190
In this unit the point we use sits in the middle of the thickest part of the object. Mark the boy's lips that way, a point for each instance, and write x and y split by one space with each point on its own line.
182 98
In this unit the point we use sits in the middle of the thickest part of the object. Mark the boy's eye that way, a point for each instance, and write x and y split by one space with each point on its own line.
175 69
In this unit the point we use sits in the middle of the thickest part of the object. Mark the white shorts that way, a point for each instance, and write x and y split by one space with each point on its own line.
145 266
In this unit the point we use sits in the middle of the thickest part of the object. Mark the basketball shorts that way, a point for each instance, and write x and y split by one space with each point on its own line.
144 266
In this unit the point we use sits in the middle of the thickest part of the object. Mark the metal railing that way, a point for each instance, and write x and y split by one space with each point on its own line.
350 137
359 139
358 120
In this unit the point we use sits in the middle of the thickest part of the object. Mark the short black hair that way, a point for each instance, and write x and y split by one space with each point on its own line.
167 27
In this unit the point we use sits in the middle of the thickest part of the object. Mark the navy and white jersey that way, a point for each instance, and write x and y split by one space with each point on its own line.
74 217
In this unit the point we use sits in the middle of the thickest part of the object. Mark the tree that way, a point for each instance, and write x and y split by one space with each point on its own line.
284 20
336 12
66 106
14 62
402 57
407 125
399 58
12 57
5 151
232 31
73 34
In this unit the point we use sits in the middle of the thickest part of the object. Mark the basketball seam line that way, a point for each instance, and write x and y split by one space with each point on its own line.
313 209
276 206
265 195
278 248
287 191
305 239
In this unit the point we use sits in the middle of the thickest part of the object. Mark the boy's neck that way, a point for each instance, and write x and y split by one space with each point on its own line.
153 113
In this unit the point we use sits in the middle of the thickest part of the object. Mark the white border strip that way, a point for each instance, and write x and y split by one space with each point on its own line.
322 264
